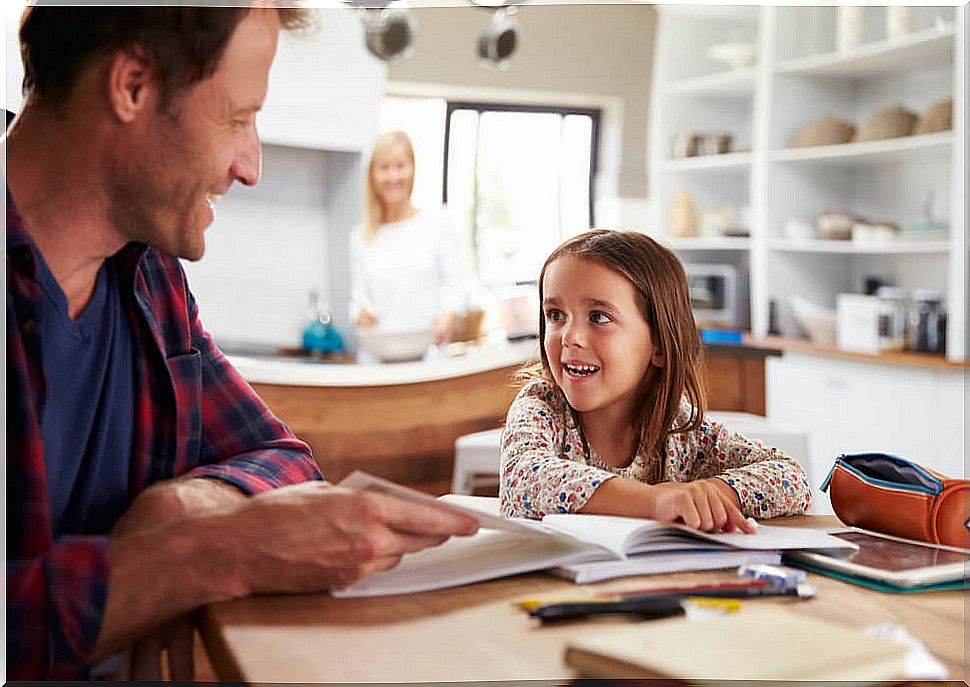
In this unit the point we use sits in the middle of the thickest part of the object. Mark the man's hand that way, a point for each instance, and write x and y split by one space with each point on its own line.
314 536
710 505
172 554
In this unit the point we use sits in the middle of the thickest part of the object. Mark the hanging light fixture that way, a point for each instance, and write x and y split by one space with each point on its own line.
388 28
499 38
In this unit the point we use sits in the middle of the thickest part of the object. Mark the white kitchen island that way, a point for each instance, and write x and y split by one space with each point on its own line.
307 372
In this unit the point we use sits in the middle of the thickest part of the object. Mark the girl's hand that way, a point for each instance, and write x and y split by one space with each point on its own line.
710 505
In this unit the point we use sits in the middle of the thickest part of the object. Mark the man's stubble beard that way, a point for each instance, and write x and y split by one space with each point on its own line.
145 212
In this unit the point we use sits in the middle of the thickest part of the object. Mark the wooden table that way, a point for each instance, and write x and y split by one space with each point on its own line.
475 633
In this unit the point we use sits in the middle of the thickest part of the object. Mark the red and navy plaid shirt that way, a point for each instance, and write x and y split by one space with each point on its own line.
194 415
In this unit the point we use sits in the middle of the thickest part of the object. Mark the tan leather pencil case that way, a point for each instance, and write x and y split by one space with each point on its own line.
885 493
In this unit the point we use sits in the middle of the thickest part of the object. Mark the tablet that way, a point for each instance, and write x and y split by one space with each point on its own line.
890 560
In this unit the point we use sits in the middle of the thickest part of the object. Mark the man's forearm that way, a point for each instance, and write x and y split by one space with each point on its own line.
169 535
176 499
163 572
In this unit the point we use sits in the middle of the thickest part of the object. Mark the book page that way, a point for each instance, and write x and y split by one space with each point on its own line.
637 535
485 555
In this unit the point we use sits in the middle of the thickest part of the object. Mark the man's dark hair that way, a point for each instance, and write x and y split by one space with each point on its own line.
183 44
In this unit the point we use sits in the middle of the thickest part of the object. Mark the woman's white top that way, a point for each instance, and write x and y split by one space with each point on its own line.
409 273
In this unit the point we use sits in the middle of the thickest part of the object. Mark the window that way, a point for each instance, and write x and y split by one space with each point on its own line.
517 179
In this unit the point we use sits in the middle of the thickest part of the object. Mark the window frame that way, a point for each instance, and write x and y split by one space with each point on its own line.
480 107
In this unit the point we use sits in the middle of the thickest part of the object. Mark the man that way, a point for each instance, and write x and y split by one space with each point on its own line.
143 473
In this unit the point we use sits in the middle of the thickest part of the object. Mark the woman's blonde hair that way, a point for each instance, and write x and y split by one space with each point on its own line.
660 283
373 207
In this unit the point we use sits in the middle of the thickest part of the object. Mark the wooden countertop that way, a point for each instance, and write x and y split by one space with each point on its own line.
902 358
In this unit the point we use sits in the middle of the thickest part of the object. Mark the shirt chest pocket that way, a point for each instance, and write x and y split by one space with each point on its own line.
186 371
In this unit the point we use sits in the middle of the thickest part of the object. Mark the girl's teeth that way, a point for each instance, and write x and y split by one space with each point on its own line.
581 369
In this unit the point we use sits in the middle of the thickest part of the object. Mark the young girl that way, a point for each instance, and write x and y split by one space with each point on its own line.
613 419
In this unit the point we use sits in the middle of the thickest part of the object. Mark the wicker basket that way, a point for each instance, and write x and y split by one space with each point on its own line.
823 132
889 122
938 118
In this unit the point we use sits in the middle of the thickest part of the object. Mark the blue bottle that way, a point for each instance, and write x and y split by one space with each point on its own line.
319 336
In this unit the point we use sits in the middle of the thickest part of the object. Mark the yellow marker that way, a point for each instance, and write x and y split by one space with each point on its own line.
724 605
530 604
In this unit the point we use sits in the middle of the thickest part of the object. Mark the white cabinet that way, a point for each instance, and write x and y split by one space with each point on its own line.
800 75
851 407
324 87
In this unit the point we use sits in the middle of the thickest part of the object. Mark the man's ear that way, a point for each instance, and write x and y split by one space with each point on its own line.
131 84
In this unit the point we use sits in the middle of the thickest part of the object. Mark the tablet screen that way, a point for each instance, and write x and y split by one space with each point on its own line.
889 554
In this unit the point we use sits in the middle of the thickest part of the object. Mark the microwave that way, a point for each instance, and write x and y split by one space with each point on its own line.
717 295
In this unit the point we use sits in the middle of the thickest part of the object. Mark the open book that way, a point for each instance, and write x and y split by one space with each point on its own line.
509 546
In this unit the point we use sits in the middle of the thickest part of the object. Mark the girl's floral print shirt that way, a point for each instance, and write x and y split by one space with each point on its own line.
545 468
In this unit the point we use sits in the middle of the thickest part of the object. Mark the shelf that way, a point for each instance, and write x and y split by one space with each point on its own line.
928 48
907 148
850 248
728 163
734 83
710 243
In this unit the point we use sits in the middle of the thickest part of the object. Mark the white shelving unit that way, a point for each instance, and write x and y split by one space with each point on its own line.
801 75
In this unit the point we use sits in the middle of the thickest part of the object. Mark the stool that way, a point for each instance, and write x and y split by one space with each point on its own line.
477 458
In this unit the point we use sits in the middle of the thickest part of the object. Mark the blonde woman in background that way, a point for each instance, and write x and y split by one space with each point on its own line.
405 270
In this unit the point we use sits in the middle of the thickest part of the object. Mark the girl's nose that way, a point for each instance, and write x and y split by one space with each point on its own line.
572 334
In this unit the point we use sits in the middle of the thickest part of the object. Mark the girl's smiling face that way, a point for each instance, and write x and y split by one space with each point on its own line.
596 339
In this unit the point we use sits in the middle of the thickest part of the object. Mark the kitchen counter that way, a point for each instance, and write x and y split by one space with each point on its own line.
901 358
285 371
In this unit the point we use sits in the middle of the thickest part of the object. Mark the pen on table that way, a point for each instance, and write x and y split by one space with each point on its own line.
657 605
682 590
685 589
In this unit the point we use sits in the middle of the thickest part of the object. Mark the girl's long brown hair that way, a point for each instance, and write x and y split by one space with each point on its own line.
660 282
373 207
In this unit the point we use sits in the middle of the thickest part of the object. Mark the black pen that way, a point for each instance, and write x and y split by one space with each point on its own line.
658 605
650 606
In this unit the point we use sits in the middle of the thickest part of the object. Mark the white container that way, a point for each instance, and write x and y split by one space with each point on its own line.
899 21
892 318
858 322
849 27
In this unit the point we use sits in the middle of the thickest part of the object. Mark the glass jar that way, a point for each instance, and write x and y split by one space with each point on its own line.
927 322
892 318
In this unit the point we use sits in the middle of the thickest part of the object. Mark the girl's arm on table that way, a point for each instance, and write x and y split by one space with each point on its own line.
769 482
